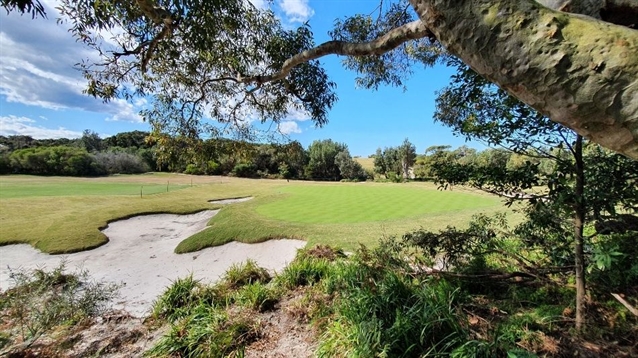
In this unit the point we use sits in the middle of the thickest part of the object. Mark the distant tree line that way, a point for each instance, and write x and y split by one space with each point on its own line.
323 160
138 152
124 153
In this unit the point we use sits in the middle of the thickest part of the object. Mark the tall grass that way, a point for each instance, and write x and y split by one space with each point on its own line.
381 312
41 300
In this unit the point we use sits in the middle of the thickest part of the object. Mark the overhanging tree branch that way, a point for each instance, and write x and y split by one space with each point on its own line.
391 40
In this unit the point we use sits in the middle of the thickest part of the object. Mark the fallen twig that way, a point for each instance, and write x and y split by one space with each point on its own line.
626 304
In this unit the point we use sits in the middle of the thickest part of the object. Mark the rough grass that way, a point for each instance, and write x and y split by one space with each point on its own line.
70 223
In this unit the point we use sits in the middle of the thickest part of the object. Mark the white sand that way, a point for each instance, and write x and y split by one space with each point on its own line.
140 255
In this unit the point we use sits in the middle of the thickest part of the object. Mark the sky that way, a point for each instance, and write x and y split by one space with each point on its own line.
41 91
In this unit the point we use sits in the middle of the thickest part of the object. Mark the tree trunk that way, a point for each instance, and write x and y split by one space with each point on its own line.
579 222
579 71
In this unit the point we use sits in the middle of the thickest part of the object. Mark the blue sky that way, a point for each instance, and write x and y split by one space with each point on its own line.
41 92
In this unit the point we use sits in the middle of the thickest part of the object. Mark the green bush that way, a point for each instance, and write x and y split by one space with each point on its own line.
41 300
245 170
208 332
258 296
213 168
121 162
246 273
61 160
193 169
178 299
614 263
303 271
384 313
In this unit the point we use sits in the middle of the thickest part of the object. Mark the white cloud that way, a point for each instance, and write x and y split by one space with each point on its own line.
12 125
126 112
260 4
296 10
288 127
297 114
36 68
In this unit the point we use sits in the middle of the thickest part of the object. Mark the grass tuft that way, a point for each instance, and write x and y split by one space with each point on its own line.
246 273
303 271
178 299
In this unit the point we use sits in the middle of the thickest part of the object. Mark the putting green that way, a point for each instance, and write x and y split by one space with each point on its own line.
331 204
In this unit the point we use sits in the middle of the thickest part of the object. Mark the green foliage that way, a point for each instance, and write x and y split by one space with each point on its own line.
303 271
321 160
117 162
245 170
383 312
67 161
246 273
348 167
395 162
207 332
202 323
134 139
177 83
41 300
91 141
391 67
258 296
193 169
614 263
178 300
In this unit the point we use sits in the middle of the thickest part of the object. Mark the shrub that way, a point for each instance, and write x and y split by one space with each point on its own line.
258 297
303 271
193 169
208 332
121 163
60 160
245 170
41 300
5 163
213 168
246 273
178 299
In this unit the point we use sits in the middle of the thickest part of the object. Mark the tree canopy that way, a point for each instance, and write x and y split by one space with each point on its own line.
230 61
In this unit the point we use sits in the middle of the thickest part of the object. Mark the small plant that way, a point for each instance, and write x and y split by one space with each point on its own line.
322 252
41 300
178 299
246 273
258 297
303 271
208 332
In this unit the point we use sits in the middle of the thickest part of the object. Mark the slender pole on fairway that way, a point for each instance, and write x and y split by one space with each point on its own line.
141 191
167 186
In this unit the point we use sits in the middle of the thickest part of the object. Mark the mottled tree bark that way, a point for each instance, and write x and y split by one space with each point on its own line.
579 71
579 224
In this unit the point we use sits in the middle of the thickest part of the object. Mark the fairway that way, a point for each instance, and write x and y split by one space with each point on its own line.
365 203
56 187
60 215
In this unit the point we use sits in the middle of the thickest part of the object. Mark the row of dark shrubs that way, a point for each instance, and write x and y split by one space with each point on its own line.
247 169
75 161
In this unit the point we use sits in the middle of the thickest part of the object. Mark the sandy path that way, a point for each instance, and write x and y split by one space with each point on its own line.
140 255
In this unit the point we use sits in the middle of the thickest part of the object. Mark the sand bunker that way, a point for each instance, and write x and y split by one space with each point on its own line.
230 201
140 255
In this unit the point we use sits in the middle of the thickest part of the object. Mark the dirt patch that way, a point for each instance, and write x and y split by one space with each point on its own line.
283 336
